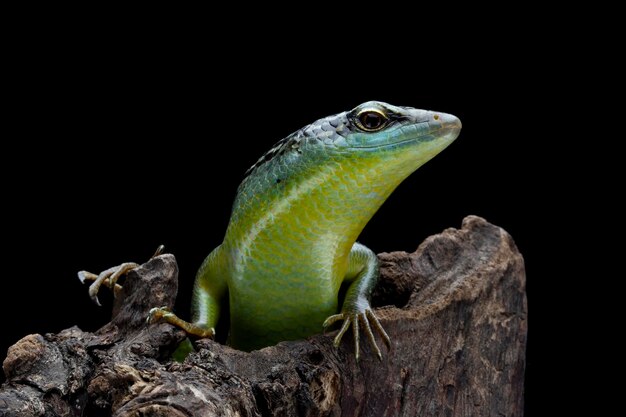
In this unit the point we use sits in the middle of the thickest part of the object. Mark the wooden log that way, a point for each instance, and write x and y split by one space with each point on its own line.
455 310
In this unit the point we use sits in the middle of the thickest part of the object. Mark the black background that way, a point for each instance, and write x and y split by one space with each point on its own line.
120 147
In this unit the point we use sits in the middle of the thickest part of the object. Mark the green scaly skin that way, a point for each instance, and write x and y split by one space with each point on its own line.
291 240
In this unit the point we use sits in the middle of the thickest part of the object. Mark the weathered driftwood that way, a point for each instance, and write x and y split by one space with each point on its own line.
457 324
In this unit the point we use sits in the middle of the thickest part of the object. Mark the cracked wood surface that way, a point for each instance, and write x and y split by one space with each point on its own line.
455 310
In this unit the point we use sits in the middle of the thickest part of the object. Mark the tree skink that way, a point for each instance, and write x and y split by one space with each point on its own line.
291 241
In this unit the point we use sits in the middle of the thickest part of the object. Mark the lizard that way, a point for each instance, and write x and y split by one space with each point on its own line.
290 243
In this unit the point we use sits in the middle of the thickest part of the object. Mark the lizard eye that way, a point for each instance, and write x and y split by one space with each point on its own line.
371 120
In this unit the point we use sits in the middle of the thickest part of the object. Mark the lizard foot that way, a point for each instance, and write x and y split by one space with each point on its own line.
109 277
354 318
163 313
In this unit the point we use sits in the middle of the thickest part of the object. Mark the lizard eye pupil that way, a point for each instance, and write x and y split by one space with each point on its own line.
371 120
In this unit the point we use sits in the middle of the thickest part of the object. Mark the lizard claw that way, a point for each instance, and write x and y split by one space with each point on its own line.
86 276
158 251
156 313
356 319
163 313
110 277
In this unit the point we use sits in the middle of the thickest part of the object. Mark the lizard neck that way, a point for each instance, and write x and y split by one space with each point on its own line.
321 205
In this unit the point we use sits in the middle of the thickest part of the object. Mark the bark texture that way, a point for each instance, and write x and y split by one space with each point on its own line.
455 310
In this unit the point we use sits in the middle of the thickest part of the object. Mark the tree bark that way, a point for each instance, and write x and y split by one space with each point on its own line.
455 310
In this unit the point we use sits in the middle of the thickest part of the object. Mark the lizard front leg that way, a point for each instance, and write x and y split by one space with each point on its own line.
363 271
208 293
210 289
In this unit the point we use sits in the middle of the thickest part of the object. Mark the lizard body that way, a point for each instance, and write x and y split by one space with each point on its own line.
291 240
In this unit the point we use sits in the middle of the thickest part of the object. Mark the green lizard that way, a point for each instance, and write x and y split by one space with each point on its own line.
291 240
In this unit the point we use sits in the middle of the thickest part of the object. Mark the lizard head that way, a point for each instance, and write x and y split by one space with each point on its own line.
380 126
372 130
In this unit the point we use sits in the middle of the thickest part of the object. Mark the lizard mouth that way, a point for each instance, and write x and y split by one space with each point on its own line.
387 145
439 127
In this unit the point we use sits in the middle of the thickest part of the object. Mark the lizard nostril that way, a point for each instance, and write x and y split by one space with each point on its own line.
436 117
